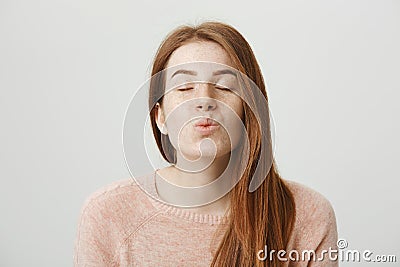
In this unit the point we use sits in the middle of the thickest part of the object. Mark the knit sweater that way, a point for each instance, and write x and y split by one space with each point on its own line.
121 225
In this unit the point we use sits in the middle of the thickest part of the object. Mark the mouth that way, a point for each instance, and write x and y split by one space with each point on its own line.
206 126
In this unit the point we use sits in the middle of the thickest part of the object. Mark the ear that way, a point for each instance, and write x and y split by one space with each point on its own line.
160 119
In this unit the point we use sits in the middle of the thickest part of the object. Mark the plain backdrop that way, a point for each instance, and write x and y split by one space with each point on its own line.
68 70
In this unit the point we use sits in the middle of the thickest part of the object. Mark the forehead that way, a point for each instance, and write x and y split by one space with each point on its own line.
200 51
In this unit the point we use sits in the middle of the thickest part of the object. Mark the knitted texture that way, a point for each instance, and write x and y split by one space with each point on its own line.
121 225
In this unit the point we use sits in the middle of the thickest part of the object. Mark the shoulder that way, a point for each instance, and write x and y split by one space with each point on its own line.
309 202
119 203
107 217
315 216
113 194
126 188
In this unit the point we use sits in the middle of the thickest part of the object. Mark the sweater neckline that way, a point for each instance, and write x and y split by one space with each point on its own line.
182 212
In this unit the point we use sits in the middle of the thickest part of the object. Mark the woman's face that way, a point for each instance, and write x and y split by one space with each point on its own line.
201 118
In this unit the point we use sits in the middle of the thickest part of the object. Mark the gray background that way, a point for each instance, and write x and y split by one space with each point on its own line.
68 70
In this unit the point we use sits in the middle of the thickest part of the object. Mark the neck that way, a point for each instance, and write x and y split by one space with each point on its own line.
198 173
173 183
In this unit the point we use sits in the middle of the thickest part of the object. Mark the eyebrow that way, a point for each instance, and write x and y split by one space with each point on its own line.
226 71
188 72
194 73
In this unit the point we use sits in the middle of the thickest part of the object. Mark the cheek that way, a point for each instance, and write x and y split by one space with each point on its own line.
170 109
176 116
234 122
173 103
237 106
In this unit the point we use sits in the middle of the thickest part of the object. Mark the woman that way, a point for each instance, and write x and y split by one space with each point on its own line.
198 125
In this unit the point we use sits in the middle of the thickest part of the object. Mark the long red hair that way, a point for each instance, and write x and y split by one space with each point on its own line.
265 216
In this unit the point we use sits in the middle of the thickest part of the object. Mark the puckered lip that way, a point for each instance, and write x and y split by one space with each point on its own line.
206 122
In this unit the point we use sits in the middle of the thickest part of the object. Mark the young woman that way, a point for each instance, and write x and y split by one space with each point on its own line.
210 120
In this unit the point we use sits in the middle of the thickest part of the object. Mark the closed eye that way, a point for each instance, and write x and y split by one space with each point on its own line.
223 88
185 89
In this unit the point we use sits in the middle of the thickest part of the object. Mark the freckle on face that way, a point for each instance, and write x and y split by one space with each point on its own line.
201 51
188 140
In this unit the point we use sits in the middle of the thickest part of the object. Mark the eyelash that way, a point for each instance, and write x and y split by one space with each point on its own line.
185 89
217 87
223 88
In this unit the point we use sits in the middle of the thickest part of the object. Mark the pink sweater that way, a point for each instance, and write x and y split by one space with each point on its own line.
120 225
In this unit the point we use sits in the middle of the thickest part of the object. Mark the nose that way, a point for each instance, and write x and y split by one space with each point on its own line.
204 98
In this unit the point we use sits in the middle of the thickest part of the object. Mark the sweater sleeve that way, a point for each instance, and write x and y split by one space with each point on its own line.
326 235
94 245
315 230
